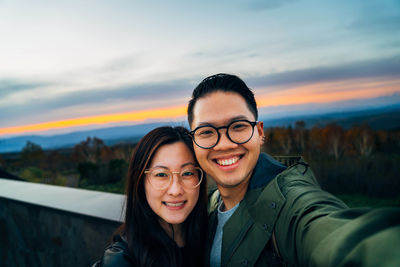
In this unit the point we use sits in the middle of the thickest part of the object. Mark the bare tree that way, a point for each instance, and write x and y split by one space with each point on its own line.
284 138
300 129
334 140
91 150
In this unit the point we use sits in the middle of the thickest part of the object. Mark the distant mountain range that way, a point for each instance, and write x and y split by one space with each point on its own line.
383 118
387 118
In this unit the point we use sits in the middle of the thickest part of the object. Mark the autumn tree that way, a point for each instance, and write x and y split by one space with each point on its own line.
316 142
33 155
2 163
56 162
284 138
333 138
92 150
123 151
300 135
361 140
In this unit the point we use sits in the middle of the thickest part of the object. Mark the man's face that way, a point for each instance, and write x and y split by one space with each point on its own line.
228 163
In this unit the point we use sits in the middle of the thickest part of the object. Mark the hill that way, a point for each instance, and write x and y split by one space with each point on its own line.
387 118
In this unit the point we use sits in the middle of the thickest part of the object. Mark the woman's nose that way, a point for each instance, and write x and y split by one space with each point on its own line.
175 188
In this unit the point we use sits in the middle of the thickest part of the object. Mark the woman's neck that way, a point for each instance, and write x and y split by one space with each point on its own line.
174 231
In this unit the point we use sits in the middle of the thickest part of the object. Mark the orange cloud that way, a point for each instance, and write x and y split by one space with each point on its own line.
170 112
323 92
328 92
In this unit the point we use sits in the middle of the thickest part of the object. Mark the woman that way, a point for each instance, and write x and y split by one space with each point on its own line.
166 215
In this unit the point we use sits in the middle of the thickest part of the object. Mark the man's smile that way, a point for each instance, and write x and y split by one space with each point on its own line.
227 161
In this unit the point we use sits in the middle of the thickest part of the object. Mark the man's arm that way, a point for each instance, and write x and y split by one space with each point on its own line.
317 229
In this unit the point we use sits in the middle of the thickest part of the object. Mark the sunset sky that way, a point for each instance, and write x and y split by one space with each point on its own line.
72 65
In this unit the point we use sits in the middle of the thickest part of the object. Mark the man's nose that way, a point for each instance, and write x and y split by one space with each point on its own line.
224 142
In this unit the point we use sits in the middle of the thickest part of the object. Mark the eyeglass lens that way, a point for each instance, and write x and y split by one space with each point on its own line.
161 178
238 132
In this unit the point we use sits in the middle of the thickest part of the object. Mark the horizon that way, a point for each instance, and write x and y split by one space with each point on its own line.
126 63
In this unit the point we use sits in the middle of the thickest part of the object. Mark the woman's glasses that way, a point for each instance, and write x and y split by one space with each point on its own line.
161 178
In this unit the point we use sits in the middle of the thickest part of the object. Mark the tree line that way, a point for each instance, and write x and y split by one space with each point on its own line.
356 160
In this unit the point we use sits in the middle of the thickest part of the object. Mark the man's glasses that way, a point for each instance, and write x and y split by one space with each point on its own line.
238 132
161 178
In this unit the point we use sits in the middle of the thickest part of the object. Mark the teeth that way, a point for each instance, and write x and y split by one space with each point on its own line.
226 162
174 204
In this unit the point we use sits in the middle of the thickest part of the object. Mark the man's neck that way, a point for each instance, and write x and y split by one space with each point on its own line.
232 195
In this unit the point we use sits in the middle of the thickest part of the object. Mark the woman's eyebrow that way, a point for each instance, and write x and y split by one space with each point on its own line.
160 166
187 163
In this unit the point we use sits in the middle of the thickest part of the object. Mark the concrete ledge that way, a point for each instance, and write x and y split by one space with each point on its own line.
44 225
86 202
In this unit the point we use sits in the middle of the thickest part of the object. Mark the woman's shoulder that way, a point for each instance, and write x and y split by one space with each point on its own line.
117 254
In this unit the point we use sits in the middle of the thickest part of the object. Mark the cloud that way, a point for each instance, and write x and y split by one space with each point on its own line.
388 67
97 100
180 90
134 96
380 18
11 86
379 25
281 111
257 5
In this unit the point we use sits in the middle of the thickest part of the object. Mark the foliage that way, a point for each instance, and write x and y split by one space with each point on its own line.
2 163
111 188
103 173
91 150
358 160
33 155
33 174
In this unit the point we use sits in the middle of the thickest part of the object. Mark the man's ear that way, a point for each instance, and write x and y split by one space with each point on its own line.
260 130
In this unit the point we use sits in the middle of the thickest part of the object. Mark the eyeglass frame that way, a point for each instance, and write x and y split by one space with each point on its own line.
149 170
252 123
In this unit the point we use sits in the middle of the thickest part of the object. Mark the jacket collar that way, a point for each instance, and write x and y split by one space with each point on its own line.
258 202
267 168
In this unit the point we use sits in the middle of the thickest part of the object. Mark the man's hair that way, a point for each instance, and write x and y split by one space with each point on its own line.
224 83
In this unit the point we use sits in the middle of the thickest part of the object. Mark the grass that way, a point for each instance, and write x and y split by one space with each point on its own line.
110 188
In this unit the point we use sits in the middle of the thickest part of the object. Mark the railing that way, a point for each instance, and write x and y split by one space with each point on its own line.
287 160
46 225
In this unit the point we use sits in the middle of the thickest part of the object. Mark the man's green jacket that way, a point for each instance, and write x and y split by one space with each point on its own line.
311 226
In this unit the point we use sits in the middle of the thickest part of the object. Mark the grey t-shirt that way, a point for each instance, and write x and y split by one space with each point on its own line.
223 217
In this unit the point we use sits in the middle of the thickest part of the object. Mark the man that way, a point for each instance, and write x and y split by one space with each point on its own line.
264 214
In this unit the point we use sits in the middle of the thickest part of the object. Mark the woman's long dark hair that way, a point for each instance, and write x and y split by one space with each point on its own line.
147 241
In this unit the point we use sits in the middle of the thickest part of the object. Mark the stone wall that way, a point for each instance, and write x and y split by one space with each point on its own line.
34 234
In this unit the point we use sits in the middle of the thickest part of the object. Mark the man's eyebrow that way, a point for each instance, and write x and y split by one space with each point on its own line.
240 117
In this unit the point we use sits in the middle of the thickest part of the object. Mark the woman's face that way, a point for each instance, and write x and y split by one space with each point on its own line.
173 204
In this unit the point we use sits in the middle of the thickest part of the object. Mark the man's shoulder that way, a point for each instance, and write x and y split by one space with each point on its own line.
292 171
296 178
298 174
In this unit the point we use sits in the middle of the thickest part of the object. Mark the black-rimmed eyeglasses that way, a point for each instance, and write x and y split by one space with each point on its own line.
239 132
